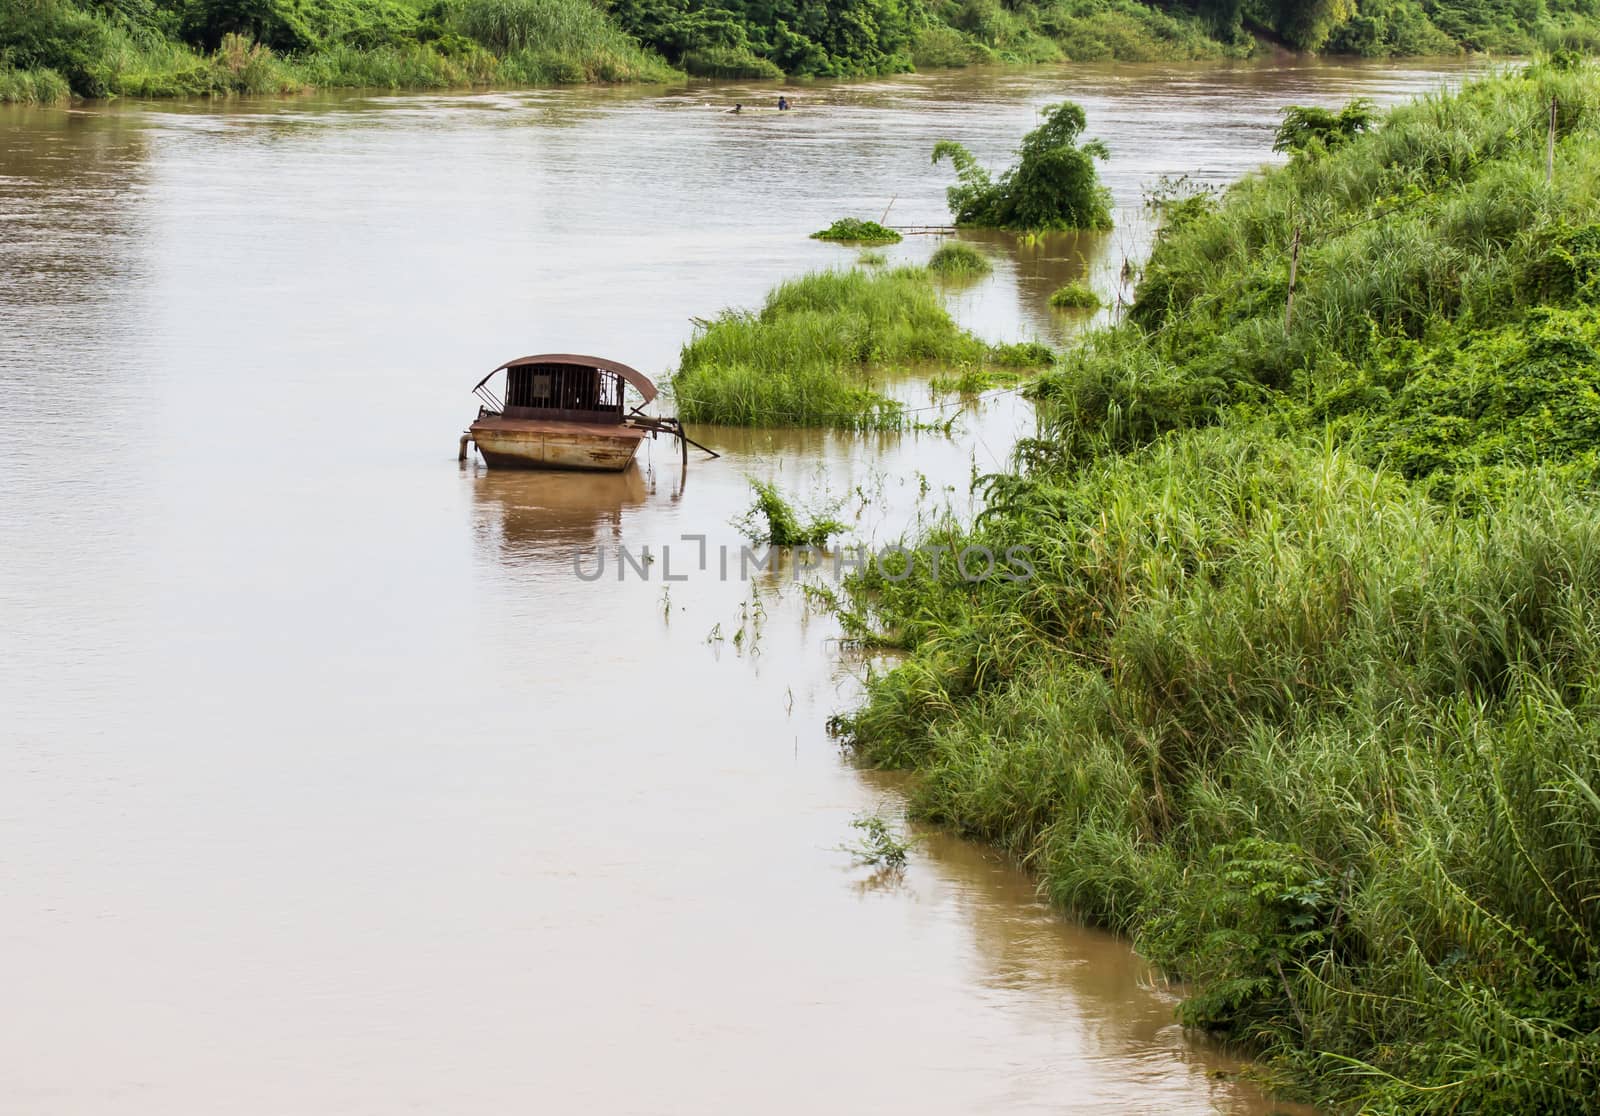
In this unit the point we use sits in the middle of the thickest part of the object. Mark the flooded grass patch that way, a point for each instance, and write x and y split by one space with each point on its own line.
816 352
1076 295
956 260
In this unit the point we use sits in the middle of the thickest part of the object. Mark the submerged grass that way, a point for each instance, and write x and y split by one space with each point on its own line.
774 520
1300 684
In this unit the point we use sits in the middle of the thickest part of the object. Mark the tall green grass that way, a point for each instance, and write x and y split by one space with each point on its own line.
1304 691
959 260
816 352
33 87
554 41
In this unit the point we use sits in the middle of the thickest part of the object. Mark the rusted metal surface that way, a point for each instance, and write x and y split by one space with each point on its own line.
553 444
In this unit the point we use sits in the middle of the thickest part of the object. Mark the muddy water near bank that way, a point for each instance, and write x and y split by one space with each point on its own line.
327 783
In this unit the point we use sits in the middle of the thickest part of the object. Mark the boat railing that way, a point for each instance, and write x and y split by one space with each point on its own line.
490 400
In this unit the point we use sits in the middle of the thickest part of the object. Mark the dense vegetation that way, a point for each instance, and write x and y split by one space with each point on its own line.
50 49
151 48
1053 186
1305 691
817 352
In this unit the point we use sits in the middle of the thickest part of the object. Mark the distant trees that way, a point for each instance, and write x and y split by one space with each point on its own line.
767 38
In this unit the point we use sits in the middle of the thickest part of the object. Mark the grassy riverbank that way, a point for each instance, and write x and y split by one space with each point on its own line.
1303 695
51 50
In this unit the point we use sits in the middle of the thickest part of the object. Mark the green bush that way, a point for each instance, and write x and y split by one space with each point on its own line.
856 230
1305 128
1053 186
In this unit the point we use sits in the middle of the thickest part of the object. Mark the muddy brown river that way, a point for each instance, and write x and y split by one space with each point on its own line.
327 786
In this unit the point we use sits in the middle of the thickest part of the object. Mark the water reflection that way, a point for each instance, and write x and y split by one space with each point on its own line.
529 514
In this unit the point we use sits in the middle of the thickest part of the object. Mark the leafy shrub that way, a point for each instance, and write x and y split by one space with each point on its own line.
1306 127
858 231
1053 186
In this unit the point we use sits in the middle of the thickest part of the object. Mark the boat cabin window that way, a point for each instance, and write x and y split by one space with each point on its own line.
564 391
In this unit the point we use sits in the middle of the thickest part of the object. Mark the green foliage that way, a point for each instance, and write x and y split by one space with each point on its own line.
1076 295
1302 24
815 352
300 25
1299 689
33 87
1308 128
767 38
1022 354
958 260
217 47
1388 29
879 846
772 519
1053 186
855 230
170 47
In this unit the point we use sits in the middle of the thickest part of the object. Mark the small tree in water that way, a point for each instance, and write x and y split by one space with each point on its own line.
1053 186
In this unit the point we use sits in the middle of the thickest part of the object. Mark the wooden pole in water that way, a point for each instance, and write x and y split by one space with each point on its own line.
1294 269
1550 146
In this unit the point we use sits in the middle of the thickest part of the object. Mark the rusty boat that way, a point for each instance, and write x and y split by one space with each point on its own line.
564 411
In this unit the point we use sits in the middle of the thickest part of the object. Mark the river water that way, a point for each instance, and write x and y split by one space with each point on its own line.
328 786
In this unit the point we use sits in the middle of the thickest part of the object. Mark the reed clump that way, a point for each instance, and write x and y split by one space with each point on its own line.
817 352
1076 295
957 260
1298 684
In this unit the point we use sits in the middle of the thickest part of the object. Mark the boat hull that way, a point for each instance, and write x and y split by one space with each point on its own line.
566 446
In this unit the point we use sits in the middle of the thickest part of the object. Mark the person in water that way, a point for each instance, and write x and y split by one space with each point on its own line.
783 104
737 108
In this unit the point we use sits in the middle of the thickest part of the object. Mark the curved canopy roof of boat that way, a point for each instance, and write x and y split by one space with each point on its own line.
638 380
